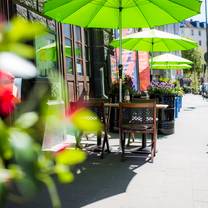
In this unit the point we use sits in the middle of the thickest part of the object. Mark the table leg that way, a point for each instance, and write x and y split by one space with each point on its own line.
99 139
144 141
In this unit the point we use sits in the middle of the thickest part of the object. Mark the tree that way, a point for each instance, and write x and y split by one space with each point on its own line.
194 55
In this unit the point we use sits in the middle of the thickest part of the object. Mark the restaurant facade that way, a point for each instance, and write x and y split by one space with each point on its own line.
83 57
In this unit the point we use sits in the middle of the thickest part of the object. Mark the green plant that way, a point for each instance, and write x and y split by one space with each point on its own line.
164 88
127 84
23 164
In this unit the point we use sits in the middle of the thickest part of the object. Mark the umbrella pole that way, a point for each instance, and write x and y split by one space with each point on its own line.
120 54
151 56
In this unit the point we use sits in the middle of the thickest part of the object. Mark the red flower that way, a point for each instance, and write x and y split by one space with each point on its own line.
7 102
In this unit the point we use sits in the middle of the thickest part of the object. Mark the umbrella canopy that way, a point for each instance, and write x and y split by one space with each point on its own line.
132 13
155 40
17 66
170 59
121 14
170 66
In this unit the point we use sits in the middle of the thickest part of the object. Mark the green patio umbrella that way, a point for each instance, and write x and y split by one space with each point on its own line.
170 66
120 14
153 40
169 58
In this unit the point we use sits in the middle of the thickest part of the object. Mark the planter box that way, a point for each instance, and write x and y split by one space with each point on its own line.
166 117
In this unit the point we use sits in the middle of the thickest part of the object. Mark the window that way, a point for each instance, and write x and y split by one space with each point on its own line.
200 42
46 54
68 48
192 32
199 33
78 50
87 52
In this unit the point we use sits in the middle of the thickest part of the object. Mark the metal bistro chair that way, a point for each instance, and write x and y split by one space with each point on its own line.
97 107
138 118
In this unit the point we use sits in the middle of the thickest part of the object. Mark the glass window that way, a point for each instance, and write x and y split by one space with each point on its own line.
69 65
67 31
199 33
200 43
77 33
192 32
87 52
46 54
78 50
79 66
68 51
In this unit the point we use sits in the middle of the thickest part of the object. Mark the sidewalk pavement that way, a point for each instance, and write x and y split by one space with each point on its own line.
178 178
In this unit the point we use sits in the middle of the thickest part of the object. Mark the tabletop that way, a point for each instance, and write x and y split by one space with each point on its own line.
116 105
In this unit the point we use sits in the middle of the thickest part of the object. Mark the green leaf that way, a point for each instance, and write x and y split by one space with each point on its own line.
27 186
5 147
27 120
86 120
21 29
21 49
64 174
16 171
48 181
22 145
70 157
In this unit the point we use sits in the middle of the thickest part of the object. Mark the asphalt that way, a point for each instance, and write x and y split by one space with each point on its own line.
178 178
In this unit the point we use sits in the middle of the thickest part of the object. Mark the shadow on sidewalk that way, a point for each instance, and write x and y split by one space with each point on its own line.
97 179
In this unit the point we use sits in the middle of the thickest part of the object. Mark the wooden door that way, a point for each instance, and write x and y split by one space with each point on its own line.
75 61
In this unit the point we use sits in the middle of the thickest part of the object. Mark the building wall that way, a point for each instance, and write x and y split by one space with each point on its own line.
75 58
195 30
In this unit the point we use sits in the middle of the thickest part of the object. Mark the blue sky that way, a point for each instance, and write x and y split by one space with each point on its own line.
201 17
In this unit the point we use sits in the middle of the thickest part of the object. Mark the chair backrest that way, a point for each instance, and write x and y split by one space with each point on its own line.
142 113
96 106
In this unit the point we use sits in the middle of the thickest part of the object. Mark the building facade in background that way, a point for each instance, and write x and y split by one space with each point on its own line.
172 74
195 30
135 64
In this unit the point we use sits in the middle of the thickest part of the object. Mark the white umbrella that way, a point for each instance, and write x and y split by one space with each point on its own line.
169 58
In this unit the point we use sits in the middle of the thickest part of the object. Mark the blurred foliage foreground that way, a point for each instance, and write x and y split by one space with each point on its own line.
24 167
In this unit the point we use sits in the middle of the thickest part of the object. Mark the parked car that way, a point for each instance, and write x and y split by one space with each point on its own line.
204 89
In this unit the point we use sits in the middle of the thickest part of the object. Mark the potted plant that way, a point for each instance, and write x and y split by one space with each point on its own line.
127 86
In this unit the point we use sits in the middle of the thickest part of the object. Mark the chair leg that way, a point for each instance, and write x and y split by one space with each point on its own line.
105 141
155 143
152 148
129 140
103 148
122 141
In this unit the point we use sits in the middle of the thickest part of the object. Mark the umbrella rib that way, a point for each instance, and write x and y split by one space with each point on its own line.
166 45
181 5
138 7
91 19
61 5
165 10
67 15
180 43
